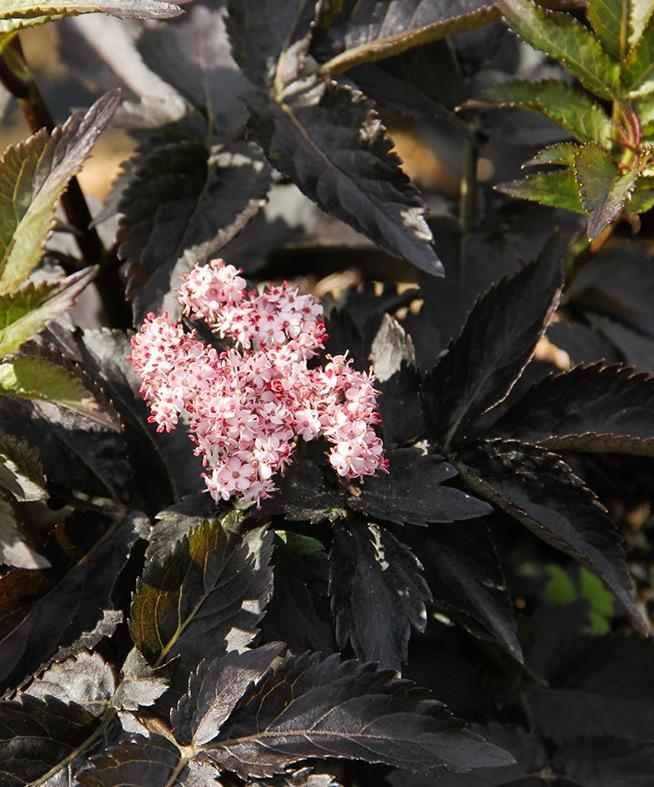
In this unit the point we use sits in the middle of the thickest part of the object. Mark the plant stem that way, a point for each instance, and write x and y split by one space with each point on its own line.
468 198
17 78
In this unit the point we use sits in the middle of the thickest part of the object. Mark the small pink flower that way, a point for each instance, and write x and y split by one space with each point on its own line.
247 406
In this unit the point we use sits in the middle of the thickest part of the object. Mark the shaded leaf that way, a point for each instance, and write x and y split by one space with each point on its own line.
36 735
21 472
192 54
371 30
413 492
497 341
27 311
165 465
611 22
590 408
183 203
378 593
331 143
154 761
555 189
270 39
635 348
25 13
214 690
312 708
569 108
43 611
298 613
562 37
463 570
14 548
604 191
35 174
605 762
209 592
539 490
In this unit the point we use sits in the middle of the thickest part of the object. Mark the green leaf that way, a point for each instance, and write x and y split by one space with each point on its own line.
29 310
16 14
642 198
638 68
604 191
563 153
610 20
560 36
14 551
555 189
34 175
37 378
299 544
640 12
569 108
560 588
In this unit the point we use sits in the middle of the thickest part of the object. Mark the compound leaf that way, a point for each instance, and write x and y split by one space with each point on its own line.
313 708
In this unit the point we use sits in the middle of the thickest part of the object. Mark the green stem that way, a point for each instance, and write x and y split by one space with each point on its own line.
468 192
18 79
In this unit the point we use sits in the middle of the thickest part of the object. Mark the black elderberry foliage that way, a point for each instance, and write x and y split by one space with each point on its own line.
476 616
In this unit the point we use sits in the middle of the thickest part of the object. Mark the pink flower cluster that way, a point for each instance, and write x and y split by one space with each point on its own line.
246 406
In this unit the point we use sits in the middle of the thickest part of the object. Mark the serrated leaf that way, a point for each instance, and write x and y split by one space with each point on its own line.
562 37
36 735
183 203
554 189
28 310
27 377
539 490
42 611
140 685
209 592
590 408
413 492
603 189
21 473
378 593
496 343
14 549
611 20
331 143
16 14
463 570
371 30
312 708
85 679
572 109
563 153
35 174
154 761
215 688
638 67
270 39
